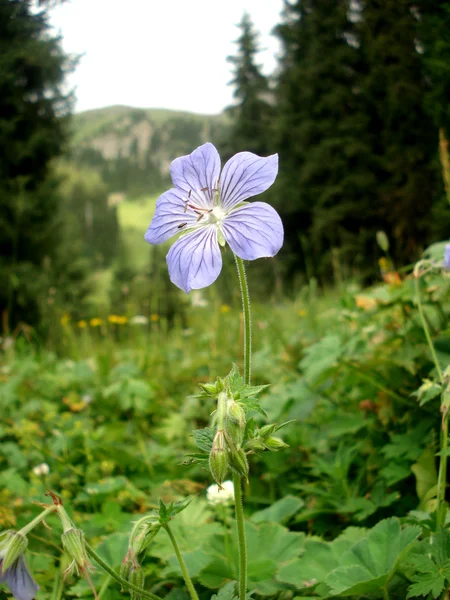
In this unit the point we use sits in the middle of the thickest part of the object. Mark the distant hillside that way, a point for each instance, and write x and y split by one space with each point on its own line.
132 148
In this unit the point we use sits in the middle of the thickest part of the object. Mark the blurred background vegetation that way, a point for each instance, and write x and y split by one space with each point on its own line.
100 354
355 109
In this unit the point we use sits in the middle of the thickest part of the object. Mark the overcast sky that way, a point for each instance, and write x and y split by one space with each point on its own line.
159 54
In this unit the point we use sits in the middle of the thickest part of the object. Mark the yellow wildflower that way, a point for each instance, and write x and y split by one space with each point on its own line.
225 308
154 318
302 312
95 322
82 324
65 319
365 302
117 319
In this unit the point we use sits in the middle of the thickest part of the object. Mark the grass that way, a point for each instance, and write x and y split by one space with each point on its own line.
110 406
134 218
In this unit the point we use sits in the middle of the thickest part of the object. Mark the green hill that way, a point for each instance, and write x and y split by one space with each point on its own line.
132 147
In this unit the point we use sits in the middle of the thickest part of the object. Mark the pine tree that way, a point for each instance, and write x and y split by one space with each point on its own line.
326 187
33 131
252 114
403 138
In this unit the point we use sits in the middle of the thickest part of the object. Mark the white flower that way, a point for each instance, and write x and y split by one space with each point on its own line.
139 320
42 469
198 300
214 495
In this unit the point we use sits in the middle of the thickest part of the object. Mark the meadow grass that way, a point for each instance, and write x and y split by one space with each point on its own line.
110 407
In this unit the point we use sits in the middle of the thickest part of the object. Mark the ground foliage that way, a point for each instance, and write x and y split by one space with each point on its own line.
346 510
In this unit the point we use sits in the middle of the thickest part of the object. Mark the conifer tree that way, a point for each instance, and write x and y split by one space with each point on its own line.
326 183
403 138
252 114
33 131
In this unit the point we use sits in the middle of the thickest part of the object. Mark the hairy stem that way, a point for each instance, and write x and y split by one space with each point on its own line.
237 481
187 579
247 319
442 476
32 524
123 582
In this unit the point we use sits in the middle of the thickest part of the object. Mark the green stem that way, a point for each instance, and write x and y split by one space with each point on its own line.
105 586
32 524
247 320
442 476
187 579
427 330
368 377
123 582
237 481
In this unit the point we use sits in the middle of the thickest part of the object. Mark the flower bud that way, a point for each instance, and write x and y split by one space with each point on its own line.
254 445
143 533
74 545
12 546
235 422
236 432
218 458
236 413
383 241
275 443
132 572
209 388
239 463
267 430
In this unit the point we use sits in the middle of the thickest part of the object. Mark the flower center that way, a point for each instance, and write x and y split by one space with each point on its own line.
216 216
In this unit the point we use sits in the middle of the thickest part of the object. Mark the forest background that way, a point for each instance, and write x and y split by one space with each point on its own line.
100 355
357 110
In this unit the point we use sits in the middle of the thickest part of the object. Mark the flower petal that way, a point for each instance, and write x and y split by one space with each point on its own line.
447 257
195 260
253 231
245 175
196 172
20 581
169 216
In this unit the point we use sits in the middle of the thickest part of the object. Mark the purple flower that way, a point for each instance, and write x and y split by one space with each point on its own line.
447 257
19 580
209 209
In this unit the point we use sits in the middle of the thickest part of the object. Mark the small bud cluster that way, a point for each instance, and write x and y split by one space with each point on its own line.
263 439
141 536
13 567
74 546
12 545
226 450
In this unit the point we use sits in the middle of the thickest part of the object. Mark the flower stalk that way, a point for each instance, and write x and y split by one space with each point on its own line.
114 575
41 517
442 474
247 319
237 479
190 586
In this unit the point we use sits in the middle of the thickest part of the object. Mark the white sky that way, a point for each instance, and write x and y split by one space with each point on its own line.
160 53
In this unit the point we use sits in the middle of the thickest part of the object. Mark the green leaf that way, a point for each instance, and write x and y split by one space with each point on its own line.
369 564
432 567
321 357
426 477
427 391
203 439
228 592
269 546
280 512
